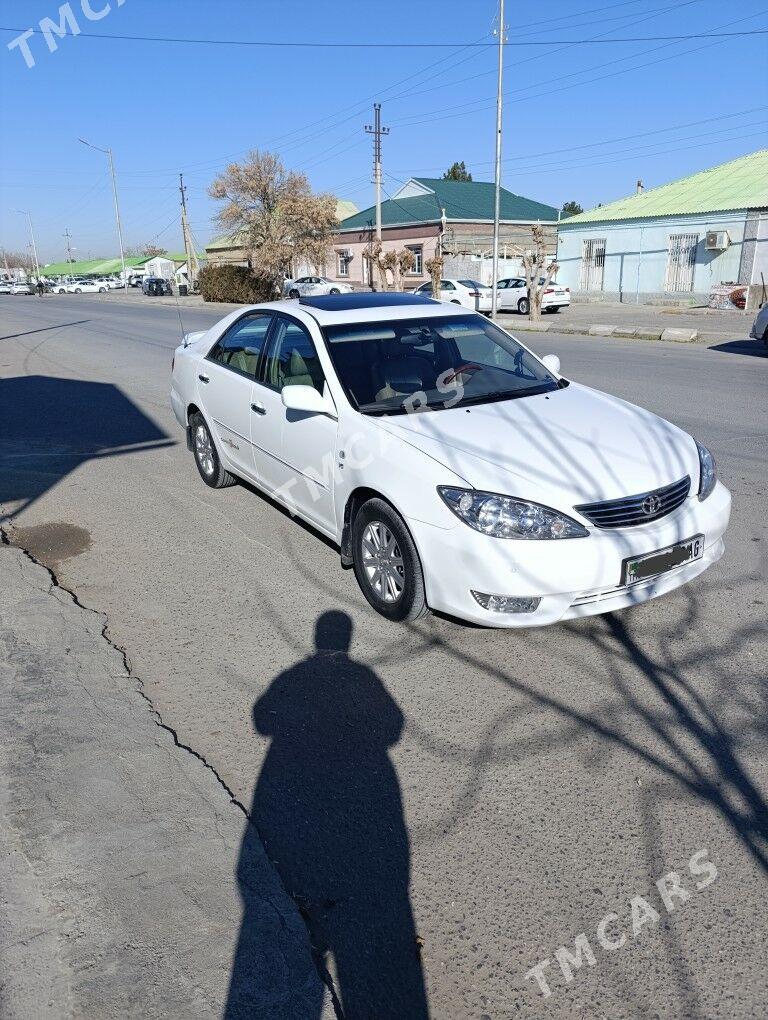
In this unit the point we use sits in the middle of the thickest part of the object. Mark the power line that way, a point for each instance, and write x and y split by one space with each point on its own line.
307 44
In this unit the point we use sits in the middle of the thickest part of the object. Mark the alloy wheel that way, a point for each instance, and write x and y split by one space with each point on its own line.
204 450
383 562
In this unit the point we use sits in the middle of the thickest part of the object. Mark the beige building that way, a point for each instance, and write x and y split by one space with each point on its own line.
427 216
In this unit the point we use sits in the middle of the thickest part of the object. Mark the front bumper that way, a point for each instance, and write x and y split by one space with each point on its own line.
572 577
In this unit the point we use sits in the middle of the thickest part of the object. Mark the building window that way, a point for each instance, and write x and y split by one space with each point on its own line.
681 262
592 263
417 251
342 262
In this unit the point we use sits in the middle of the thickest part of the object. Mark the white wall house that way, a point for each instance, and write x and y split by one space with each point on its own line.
676 242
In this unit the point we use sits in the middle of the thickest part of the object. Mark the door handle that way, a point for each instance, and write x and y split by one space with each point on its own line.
258 408
203 378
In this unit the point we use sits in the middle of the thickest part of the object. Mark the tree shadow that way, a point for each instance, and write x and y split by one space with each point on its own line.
50 426
328 809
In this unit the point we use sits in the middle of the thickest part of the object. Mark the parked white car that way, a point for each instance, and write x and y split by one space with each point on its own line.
315 286
22 288
513 296
509 495
6 286
467 293
81 287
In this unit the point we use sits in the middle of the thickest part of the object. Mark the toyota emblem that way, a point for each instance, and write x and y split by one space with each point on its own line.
651 505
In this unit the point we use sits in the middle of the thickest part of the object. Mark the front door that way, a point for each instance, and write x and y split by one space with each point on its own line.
226 378
295 452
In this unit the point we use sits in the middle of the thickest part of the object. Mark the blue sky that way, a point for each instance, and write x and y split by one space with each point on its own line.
581 122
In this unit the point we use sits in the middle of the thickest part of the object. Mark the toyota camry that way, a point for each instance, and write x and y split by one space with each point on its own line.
455 470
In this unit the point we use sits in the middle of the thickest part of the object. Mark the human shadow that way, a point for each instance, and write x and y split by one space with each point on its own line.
328 809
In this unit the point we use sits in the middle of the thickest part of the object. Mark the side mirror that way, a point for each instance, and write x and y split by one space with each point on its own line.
307 399
552 362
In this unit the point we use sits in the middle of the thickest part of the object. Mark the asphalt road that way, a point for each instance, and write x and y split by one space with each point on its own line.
448 805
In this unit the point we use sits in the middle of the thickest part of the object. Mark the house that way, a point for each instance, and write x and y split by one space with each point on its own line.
427 215
676 242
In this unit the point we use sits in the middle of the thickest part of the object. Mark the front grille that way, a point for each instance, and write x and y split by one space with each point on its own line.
628 512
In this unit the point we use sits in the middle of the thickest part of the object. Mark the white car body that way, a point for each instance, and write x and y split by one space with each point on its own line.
513 290
21 288
562 449
467 293
86 287
313 286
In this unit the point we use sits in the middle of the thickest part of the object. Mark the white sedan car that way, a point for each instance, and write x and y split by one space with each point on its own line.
314 286
455 470
467 293
513 296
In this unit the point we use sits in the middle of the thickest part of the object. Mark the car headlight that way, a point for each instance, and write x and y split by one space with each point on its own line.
707 471
505 517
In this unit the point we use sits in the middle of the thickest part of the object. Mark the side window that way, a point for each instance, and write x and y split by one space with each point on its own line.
445 285
243 344
292 359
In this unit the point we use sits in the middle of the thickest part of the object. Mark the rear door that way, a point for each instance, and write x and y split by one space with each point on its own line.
225 382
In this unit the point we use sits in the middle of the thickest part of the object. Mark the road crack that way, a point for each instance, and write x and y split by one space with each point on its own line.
7 539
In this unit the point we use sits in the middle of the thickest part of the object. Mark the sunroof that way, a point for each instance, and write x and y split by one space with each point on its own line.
364 299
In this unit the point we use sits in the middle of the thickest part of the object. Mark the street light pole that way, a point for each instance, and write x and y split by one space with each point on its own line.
497 194
23 212
108 154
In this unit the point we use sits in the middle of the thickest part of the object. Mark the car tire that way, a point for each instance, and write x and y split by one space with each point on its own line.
523 306
78 291
102 290
376 524
334 290
206 456
293 293
554 309
455 302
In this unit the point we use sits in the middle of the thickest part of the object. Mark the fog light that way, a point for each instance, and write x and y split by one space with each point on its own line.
505 603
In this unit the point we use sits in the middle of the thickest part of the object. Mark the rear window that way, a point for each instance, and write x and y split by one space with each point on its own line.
472 284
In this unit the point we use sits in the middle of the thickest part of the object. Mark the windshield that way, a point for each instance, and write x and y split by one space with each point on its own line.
473 284
401 366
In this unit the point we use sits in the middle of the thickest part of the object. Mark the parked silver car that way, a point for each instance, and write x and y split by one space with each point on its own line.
759 329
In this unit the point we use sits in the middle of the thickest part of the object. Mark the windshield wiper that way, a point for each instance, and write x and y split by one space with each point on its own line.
496 395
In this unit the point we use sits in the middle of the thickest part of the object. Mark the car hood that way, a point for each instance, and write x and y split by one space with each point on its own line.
573 445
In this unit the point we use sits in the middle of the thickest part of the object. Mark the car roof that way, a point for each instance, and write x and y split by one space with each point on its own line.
378 307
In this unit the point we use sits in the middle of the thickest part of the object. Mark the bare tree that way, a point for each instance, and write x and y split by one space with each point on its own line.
539 270
276 214
434 267
17 260
151 251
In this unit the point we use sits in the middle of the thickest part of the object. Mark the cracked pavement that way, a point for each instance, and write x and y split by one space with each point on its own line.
473 800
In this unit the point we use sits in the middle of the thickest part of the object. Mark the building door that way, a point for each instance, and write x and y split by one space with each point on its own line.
681 262
592 263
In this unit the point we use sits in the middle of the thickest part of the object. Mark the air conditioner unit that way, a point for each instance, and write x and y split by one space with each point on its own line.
717 240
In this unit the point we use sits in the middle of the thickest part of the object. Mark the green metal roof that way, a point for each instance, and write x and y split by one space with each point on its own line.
740 184
90 267
461 200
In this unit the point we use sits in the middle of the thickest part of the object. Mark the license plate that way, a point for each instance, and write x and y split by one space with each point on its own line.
638 568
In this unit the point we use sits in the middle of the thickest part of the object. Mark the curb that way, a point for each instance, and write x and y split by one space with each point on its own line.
678 336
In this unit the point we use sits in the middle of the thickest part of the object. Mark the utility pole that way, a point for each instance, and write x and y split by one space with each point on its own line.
497 195
69 245
32 236
189 250
377 131
108 154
